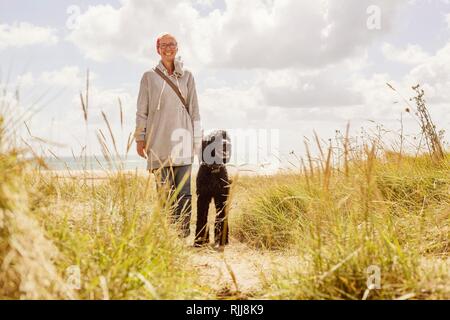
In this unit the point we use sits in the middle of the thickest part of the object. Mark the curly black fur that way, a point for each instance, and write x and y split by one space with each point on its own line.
213 183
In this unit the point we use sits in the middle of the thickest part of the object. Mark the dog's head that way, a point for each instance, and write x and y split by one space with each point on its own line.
216 148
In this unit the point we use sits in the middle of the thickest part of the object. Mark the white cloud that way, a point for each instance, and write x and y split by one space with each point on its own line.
328 87
25 80
434 76
336 94
68 76
25 34
50 101
104 32
98 32
283 34
250 34
309 62
205 3
231 107
65 124
412 54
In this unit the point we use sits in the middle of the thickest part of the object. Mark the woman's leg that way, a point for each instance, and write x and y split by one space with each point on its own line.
165 185
183 209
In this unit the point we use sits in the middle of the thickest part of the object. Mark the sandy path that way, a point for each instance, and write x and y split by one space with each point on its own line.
239 272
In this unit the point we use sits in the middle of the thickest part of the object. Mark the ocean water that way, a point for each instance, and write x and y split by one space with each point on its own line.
95 163
132 163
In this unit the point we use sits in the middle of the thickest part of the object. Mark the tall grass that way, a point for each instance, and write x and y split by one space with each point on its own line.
117 234
27 256
379 210
355 208
81 237
396 220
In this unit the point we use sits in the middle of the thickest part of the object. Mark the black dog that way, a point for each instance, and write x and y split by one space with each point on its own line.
213 183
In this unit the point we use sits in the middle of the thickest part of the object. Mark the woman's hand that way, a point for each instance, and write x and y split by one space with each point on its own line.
140 148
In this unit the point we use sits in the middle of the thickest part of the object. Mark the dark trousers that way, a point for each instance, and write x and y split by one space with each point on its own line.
221 221
170 180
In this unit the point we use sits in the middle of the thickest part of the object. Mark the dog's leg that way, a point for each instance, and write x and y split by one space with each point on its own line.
221 223
202 231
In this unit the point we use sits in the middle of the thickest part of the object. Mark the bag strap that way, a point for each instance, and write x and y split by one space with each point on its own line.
173 86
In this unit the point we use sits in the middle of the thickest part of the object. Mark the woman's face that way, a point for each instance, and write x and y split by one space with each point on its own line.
168 48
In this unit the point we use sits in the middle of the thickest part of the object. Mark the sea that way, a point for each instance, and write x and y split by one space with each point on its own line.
135 163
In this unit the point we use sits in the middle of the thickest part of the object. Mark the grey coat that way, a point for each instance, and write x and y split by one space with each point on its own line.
172 134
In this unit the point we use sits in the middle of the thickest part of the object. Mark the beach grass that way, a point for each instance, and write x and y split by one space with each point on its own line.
376 218
358 221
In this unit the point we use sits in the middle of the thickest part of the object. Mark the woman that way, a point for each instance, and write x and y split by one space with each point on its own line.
168 131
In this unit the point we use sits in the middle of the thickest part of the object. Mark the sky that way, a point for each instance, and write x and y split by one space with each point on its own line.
276 69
